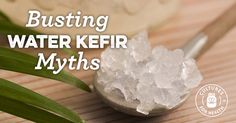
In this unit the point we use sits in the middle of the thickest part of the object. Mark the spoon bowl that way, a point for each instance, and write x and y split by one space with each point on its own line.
120 104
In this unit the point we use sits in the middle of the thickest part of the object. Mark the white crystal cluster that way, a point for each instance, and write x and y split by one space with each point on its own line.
150 76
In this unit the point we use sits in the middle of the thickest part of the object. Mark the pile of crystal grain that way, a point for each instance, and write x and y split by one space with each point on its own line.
150 76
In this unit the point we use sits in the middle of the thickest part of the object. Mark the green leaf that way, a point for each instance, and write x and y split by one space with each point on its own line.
27 104
4 17
7 28
70 52
24 63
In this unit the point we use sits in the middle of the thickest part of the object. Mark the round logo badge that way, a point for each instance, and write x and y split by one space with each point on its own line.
211 100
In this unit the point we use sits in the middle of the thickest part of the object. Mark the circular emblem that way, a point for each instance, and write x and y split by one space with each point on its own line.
211 100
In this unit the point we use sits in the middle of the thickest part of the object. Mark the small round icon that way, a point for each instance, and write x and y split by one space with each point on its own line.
211 100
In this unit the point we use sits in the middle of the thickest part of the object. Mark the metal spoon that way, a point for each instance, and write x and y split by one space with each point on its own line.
194 48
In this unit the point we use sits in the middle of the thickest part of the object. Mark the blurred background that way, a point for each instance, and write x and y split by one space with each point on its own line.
170 25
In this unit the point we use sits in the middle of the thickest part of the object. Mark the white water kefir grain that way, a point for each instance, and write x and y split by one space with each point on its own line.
150 76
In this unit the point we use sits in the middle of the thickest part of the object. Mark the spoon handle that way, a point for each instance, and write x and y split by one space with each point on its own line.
210 34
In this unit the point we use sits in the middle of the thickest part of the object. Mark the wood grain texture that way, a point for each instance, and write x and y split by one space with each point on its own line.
218 66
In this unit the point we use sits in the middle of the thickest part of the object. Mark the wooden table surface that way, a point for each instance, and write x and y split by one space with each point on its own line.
218 66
